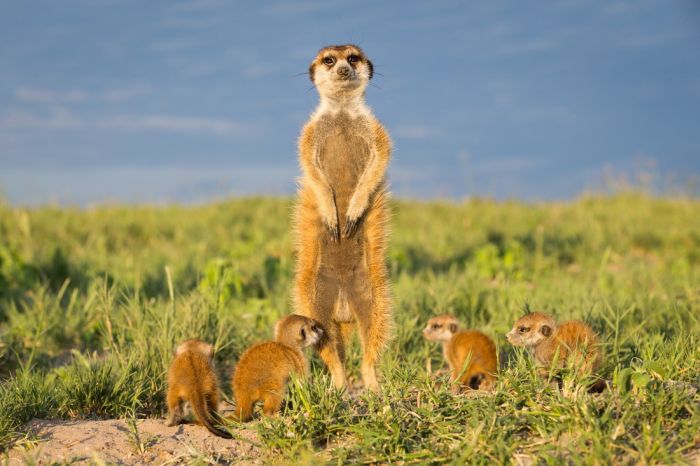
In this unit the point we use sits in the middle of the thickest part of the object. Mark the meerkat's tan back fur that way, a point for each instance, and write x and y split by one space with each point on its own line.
470 354
264 369
191 378
341 214
555 346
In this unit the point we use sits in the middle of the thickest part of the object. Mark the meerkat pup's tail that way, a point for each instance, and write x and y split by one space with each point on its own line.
205 415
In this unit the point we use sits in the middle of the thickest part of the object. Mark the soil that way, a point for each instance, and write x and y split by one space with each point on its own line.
114 442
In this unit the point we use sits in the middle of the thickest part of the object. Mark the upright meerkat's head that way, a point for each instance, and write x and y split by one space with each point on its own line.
340 69
196 346
298 331
531 330
441 328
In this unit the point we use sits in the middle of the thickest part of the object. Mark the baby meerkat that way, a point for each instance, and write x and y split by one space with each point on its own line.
470 354
571 342
191 378
264 369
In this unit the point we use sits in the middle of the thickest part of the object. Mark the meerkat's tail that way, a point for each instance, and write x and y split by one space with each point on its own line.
475 380
598 386
204 414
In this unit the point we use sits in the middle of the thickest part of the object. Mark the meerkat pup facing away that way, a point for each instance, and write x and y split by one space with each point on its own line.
264 369
555 346
191 379
470 354
341 214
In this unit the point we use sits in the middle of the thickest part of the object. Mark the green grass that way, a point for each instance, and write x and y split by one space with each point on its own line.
92 303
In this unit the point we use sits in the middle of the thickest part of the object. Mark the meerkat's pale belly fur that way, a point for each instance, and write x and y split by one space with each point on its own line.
342 281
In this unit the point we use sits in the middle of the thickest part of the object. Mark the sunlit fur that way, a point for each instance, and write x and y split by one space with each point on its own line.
470 354
555 345
341 216
264 369
191 379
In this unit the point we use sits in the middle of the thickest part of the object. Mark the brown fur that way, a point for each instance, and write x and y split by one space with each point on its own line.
191 378
470 354
557 346
264 369
341 224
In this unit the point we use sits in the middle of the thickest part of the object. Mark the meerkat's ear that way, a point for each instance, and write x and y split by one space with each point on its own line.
546 330
371 68
312 71
453 328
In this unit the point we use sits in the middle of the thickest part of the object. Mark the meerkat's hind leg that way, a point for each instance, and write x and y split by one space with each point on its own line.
272 403
372 330
330 353
244 408
175 410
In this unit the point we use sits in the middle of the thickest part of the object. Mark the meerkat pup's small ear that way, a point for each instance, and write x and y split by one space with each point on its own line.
312 69
371 69
453 327
546 330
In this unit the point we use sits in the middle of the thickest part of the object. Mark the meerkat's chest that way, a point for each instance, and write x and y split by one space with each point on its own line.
344 145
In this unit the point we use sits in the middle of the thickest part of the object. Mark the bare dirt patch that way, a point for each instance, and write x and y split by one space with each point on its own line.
114 441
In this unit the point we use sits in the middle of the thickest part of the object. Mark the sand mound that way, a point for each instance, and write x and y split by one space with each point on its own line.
115 441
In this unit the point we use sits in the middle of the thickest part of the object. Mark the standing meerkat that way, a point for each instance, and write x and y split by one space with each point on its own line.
569 343
470 354
342 213
191 379
264 369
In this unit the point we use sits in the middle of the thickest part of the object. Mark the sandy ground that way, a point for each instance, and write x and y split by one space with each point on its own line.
113 441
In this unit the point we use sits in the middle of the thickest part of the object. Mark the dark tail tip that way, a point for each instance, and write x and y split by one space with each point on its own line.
598 386
475 380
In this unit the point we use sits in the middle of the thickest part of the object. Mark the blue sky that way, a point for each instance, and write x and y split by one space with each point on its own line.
184 101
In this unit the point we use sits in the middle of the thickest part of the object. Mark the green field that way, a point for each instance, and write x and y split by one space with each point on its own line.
92 303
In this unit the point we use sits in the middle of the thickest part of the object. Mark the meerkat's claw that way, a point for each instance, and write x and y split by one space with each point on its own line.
334 232
350 227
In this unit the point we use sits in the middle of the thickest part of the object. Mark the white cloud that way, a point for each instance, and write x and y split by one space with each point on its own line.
538 45
414 132
26 94
59 119
62 119
259 70
76 96
219 126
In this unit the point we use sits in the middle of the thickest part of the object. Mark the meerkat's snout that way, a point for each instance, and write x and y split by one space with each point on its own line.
345 72
315 335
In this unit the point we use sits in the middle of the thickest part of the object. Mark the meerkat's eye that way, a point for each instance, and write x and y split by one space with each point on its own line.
523 329
329 61
436 326
353 59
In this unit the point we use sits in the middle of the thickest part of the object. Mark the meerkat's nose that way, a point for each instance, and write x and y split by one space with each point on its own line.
344 71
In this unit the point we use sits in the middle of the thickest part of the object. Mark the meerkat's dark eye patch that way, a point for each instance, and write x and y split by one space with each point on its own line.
352 59
523 329
328 61
436 326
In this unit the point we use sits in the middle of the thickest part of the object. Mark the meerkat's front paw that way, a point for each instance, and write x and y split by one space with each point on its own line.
333 231
351 226
353 216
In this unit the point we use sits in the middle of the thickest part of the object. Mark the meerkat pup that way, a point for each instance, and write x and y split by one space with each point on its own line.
342 213
470 354
264 369
191 379
557 346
